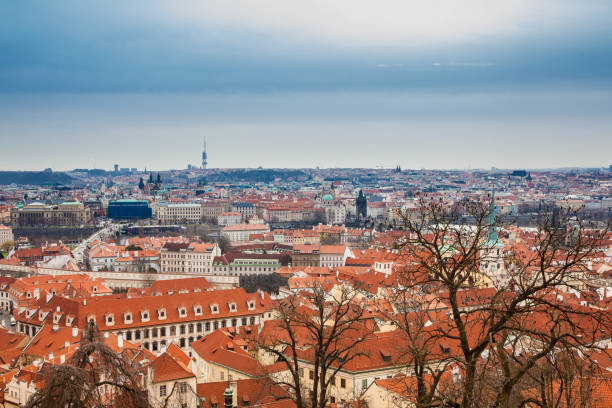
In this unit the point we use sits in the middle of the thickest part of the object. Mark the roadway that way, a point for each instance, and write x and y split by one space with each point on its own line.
103 234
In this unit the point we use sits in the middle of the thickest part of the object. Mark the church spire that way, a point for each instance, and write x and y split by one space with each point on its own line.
492 233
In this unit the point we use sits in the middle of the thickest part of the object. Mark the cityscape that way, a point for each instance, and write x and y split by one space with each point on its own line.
306 205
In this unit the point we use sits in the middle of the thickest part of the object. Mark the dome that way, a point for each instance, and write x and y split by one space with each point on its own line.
327 197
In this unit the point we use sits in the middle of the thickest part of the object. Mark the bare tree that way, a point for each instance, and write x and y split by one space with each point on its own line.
315 336
94 376
494 336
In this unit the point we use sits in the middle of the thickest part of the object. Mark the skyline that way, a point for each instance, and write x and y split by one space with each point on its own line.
348 84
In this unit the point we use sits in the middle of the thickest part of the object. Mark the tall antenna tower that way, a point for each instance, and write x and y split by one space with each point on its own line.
204 156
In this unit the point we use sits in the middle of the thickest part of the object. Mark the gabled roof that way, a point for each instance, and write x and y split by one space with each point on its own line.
166 368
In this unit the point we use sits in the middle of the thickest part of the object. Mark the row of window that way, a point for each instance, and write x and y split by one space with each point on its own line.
184 329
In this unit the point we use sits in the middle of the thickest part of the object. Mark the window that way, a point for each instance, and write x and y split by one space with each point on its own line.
207 326
162 332
182 329
364 384
342 383
183 387
128 317
332 380
190 327
301 371
222 375
162 390
161 313
311 375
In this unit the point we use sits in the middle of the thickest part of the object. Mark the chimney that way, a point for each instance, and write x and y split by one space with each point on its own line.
55 327
120 341
66 344
50 355
62 359
84 302
75 331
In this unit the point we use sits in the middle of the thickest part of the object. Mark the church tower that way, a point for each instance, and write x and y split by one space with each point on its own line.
204 156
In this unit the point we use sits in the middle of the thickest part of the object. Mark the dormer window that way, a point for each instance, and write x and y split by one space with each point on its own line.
56 317
232 306
144 315
214 308
197 309
127 317
69 320
251 305
182 311
161 314
110 319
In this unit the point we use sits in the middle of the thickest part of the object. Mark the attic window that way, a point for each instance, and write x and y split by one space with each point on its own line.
232 306
214 308
144 315
251 305
110 318
197 309
127 317
182 312
161 313
386 355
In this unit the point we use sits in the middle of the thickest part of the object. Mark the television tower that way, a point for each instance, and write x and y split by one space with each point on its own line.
204 156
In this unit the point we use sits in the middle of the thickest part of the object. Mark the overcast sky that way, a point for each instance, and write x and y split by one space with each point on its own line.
286 83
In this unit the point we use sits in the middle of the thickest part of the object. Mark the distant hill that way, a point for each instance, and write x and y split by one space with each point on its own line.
34 178
254 176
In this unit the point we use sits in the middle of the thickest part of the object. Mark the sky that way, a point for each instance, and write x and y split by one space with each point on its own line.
288 83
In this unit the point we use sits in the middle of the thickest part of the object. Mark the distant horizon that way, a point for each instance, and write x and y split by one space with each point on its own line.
505 169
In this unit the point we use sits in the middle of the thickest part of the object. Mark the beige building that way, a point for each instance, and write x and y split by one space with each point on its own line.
188 258
6 234
178 213
210 210
70 213
229 218
242 232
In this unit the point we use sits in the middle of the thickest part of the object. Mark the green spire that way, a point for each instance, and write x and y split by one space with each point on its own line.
492 233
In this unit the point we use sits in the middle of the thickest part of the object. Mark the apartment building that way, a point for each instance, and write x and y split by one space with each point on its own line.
183 213
212 209
229 218
242 232
6 234
153 321
188 258
246 264
334 255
